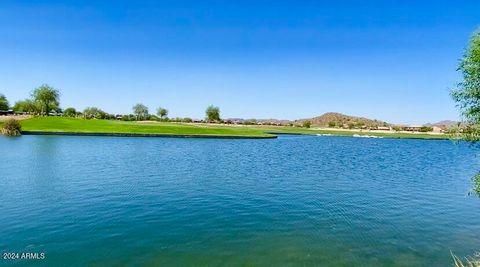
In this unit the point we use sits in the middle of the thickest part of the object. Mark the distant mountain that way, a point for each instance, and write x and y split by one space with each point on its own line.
443 124
336 119
339 119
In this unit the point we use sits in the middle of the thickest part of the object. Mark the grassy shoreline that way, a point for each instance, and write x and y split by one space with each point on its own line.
77 126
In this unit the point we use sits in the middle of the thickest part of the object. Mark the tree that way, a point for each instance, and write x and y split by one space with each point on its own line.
307 124
4 105
47 97
94 113
396 128
28 106
213 113
140 110
70 112
162 112
467 93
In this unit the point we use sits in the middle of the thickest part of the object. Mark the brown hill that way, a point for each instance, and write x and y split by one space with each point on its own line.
339 119
443 124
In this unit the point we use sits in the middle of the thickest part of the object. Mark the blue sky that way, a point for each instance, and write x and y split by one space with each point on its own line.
390 60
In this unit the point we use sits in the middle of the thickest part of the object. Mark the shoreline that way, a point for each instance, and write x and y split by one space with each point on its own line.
83 127
148 135
442 138
274 135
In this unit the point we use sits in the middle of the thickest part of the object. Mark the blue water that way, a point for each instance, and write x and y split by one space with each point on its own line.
293 201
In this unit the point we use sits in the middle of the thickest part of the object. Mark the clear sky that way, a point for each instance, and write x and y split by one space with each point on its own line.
389 60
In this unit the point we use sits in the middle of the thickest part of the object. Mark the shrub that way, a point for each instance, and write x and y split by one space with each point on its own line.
307 124
70 112
12 128
425 129
250 122
93 112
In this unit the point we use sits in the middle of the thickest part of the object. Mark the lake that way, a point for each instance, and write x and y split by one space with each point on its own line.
291 201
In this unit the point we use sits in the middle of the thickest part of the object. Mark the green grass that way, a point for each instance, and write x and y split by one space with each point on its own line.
62 124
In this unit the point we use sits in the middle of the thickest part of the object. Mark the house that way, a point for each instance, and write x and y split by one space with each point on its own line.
437 129
412 128
6 112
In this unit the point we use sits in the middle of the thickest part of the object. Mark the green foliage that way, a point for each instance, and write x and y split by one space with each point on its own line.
250 122
4 105
425 129
28 106
331 124
141 111
307 124
126 118
94 113
47 97
12 128
70 112
212 113
162 112
467 93
470 132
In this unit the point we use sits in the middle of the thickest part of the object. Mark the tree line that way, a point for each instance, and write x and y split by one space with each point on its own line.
45 101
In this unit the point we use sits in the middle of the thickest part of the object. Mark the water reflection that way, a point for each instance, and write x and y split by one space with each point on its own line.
476 185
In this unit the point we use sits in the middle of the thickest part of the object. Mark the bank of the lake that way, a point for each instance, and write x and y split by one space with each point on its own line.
77 126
